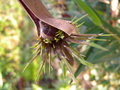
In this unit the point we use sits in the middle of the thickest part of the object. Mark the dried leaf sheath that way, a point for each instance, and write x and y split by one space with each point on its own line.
32 16
40 12
37 8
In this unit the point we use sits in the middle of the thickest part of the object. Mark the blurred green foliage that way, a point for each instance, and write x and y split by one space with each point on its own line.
17 35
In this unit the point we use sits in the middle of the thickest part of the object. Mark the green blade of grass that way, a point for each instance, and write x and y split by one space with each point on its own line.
91 13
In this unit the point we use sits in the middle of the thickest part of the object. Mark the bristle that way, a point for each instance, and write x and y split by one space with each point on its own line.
77 41
74 22
31 61
37 49
41 64
49 61
40 69
67 55
80 58
80 24
70 70
96 39
37 44
74 18
85 35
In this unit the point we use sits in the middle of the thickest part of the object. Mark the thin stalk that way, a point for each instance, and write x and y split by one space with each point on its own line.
40 69
36 45
37 49
64 70
96 39
77 41
91 35
41 65
49 62
74 18
80 24
108 31
80 58
90 38
31 61
74 22
69 68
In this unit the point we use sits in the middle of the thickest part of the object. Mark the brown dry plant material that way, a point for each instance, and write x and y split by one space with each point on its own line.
54 35
38 9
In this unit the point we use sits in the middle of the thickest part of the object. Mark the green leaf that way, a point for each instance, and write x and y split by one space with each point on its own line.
98 46
80 69
91 13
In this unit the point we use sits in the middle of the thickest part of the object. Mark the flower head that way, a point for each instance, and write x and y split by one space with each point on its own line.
54 35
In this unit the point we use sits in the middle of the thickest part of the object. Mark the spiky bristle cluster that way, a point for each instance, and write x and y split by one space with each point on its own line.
56 42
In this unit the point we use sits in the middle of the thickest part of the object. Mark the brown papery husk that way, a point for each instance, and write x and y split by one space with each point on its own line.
39 10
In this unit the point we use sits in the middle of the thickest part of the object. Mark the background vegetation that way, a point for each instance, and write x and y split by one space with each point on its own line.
18 34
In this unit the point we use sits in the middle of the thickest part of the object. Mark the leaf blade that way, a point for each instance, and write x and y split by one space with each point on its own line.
91 13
